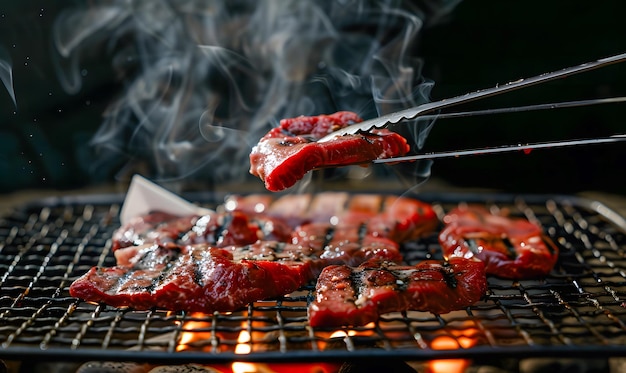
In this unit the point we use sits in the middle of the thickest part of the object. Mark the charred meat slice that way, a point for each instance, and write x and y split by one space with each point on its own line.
512 248
249 249
197 278
400 218
207 279
295 209
217 229
397 218
286 153
357 296
222 229
156 227
343 245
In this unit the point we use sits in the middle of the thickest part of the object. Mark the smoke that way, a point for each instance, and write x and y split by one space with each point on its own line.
6 74
204 79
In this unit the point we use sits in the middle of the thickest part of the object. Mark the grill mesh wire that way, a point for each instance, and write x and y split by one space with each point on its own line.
579 307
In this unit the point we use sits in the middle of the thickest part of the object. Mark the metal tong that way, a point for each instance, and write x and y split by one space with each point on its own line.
424 112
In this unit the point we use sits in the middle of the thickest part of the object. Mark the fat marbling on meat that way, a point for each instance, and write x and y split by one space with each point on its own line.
287 152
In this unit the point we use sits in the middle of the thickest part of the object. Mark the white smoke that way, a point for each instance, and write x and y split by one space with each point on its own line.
6 74
204 79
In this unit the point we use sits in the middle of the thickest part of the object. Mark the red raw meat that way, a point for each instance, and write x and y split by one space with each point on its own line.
511 248
286 153
357 296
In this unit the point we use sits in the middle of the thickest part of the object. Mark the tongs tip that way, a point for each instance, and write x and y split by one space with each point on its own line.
420 110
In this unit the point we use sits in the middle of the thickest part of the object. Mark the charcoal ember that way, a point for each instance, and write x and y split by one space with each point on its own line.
186 368
113 367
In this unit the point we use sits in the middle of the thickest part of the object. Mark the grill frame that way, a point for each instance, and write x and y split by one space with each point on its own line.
581 223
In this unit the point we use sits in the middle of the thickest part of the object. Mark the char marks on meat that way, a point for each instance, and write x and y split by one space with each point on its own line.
358 296
194 278
216 229
251 248
398 218
287 152
206 279
155 227
512 248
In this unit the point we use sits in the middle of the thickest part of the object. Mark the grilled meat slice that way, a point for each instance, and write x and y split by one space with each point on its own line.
156 227
512 248
207 279
286 153
299 208
357 296
343 245
293 209
397 218
195 278
216 229
222 229
163 260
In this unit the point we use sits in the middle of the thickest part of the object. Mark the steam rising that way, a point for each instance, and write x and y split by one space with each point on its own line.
206 79
6 74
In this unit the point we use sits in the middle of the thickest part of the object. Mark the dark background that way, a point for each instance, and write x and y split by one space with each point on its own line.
44 141
500 41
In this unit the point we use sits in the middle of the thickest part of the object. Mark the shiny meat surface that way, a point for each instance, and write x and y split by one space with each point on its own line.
286 153
207 279
510 247
252 248
217 229
357 296
397 218
196 278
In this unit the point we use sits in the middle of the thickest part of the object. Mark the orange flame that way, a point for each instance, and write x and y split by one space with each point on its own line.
459 339
323 343
187 338
244 346
190 333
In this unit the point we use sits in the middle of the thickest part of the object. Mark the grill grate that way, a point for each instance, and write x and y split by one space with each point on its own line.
578 309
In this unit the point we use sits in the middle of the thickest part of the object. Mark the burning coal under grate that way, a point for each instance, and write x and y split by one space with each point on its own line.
578 309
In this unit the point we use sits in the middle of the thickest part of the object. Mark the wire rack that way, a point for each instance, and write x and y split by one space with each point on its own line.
579 308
